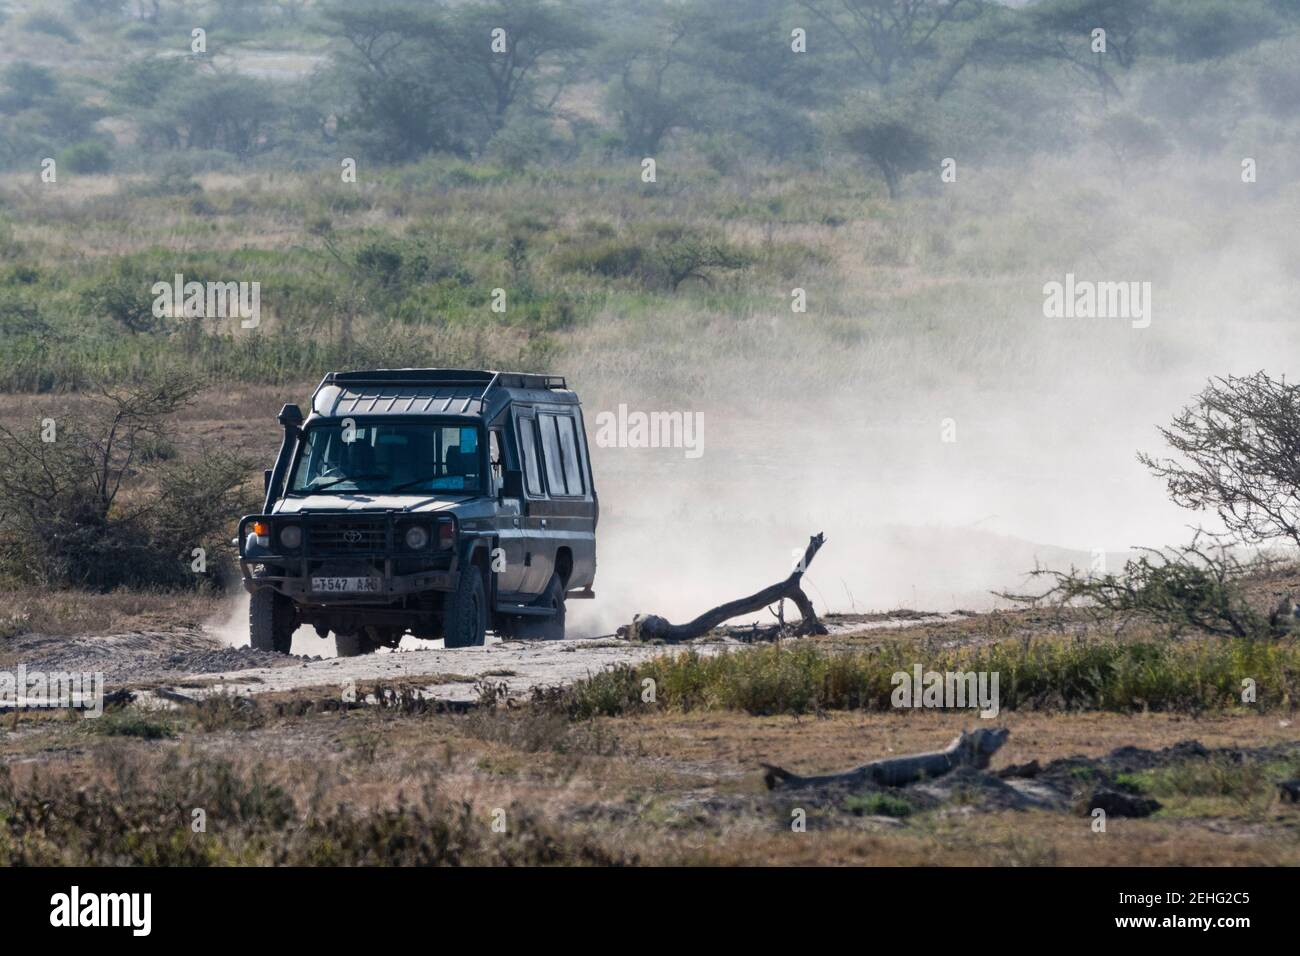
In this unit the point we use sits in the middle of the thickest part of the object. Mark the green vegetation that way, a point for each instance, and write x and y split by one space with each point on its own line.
133 723
878 805
1222 784
103 499
521 171
1051 674
1192 587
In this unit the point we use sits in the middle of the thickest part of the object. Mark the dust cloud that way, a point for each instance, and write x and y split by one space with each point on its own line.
946 442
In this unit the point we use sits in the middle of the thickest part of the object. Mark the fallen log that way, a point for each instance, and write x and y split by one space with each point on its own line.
110 699
973 748
176 696
653 627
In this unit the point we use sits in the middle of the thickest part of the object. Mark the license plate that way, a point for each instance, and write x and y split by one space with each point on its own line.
335 585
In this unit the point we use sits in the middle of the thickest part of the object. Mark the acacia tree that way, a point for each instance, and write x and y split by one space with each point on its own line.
1062 31
540 45
374 38
656 92
888 37
1239 443
406 97
897 145
448 77
1050 32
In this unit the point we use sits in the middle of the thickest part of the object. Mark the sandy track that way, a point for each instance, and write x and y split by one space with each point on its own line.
205 661
200 662
452 675
519 665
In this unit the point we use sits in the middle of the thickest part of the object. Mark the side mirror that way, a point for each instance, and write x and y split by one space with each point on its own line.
512 484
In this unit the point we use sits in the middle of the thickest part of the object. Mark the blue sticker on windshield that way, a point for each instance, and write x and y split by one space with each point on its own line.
468 440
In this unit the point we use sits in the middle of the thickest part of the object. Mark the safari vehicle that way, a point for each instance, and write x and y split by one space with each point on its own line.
439 502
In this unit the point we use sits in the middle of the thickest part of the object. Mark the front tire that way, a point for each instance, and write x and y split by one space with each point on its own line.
464 618
272 620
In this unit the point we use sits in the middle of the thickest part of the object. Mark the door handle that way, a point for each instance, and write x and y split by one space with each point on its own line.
516 522
543 522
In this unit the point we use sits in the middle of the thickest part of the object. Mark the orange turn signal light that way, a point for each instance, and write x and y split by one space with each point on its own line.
261 529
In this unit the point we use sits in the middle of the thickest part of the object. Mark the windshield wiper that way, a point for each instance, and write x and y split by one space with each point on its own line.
334 481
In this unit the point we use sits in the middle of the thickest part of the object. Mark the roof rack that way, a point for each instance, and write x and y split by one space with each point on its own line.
445 376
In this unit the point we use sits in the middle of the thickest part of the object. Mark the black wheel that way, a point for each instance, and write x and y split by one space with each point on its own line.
464 616
354 645
552 628
271 621
542 628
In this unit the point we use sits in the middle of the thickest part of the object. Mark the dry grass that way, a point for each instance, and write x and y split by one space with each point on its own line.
59 613
675 788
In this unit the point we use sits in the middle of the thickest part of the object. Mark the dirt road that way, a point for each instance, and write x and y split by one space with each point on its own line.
451 675
215 659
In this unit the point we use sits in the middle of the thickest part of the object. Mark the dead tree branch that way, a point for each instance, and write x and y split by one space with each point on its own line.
974 748
653 627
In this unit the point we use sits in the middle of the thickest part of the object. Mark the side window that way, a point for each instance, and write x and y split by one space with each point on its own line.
569 446
494 457
528 451
551 455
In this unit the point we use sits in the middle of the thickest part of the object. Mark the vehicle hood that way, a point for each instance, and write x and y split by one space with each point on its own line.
357 501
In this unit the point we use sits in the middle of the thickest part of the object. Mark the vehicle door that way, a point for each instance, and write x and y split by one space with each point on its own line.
571 505
539 552
509 524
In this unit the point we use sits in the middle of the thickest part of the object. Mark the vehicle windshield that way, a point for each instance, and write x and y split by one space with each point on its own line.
383 458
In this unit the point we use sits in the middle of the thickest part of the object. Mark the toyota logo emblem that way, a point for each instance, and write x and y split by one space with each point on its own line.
351 537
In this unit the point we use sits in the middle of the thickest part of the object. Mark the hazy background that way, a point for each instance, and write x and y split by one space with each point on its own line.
775 170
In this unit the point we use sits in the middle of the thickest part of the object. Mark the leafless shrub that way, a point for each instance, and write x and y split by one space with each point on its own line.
89 502
1240 447
1186 587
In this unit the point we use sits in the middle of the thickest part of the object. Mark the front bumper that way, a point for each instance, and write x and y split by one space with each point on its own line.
380 556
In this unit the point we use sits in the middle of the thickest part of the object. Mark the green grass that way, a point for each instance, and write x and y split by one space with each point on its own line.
1188 676
403 270
134 723
878 805
1219 776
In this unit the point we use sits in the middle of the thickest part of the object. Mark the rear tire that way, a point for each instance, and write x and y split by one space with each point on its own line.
272 620
543 628
354 645
552 628
464 618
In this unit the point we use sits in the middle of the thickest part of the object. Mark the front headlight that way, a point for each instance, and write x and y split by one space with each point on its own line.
259 536
416 537
291 536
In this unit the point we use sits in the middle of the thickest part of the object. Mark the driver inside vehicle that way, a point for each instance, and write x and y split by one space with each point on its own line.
379 459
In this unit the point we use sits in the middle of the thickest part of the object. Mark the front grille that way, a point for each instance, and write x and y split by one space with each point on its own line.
346 536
